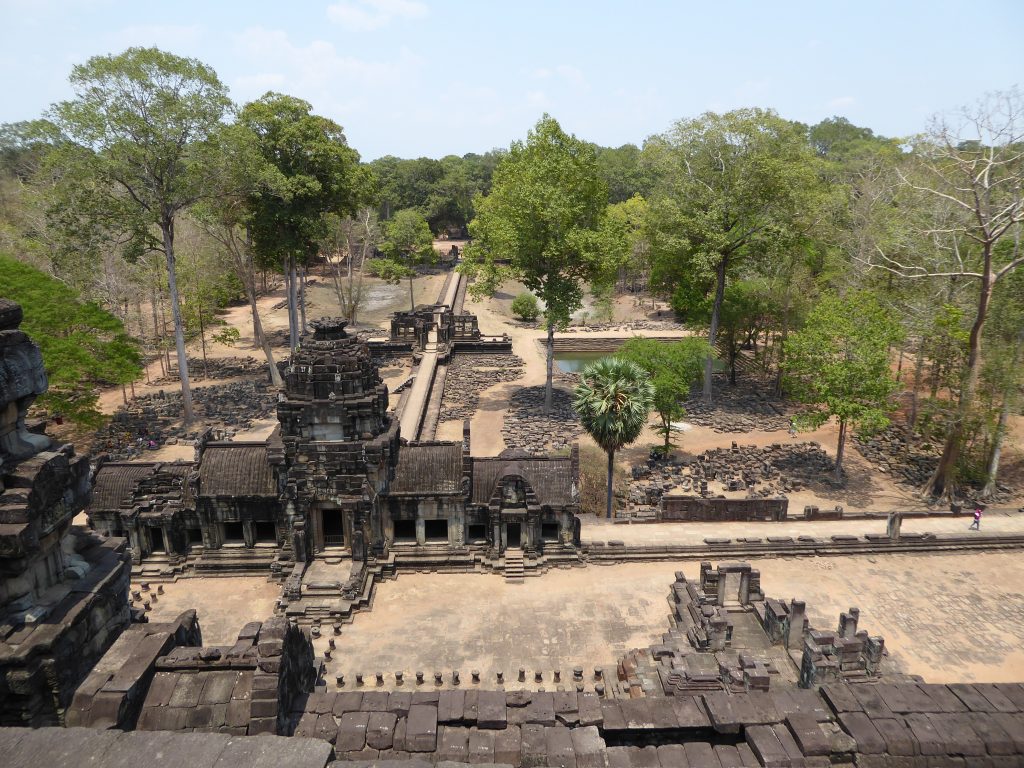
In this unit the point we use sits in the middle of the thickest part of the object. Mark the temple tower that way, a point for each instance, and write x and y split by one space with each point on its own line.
340 444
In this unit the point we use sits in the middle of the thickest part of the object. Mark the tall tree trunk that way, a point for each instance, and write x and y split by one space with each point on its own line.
157 335
992 475
548 382
302 298
293 317
275 375
941 483
918 366
611 476
412 301
167 230
780 353
716 312
202 342
840 450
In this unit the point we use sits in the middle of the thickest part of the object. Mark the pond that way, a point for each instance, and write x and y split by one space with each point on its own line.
574 362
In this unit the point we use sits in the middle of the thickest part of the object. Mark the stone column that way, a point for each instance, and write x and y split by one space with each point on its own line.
135 542
744 596
795 626
248 534
892 528
421 531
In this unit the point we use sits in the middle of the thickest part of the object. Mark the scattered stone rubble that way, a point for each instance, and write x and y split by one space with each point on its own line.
156 418
768 472
528 428
469 375
891 452
747 406
218 368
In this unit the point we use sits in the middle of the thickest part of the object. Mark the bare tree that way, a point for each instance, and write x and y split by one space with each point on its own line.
969 171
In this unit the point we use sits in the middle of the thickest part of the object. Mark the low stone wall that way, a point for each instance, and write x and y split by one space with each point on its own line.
691 508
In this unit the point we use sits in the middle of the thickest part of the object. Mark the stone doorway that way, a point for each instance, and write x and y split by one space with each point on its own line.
514 535
332 524
156 539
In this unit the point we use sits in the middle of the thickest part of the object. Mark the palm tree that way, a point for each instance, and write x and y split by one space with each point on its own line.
613 399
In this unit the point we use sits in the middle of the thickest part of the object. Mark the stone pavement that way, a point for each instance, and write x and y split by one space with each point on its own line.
945 617
599 529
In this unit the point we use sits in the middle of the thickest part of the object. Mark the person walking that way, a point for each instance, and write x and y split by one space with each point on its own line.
976 525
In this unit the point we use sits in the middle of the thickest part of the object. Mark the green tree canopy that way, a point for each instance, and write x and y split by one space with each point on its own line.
838 364
407 242
732 188
672 369
543 224
318 174
613 399
132 152
84 347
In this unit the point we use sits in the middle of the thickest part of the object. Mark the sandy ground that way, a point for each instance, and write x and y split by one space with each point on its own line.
224 605
947 618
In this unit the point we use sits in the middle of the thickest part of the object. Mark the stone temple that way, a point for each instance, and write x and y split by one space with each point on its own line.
61 589
336 498
337 479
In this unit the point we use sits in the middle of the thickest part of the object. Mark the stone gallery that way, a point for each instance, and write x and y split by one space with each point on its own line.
335 478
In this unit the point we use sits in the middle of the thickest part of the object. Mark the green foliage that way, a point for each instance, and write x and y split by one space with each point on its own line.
672 369
612 400
525 307
391 272
839 364
83 346
407 238
624 172
541 221
317 173
131 148
229 336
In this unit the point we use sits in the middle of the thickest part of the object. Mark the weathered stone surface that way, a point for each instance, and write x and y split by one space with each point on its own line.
421 728
491 710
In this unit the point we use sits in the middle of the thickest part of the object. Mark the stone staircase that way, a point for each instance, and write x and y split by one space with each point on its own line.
515 570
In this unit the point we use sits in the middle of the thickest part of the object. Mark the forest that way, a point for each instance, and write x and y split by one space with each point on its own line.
874 279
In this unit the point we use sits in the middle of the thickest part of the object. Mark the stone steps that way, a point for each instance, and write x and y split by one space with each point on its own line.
514 568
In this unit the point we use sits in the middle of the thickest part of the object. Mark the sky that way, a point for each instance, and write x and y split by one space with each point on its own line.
434 77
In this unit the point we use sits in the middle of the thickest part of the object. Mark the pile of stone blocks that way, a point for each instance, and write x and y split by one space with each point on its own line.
846 654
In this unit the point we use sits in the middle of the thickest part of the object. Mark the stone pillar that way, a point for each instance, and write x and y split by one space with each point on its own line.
892 528
499 545
848 623
795 627
248 534
744 596
135 542
421 531
299 540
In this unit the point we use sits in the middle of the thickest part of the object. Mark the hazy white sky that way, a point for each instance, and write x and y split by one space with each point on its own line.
436 77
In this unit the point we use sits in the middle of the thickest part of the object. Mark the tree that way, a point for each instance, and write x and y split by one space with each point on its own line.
672 369
83 346
240 172
613 399
318 174
407 242
542 224
838 363
525 307
732 187
352 239
1003 375
134 140
968 169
